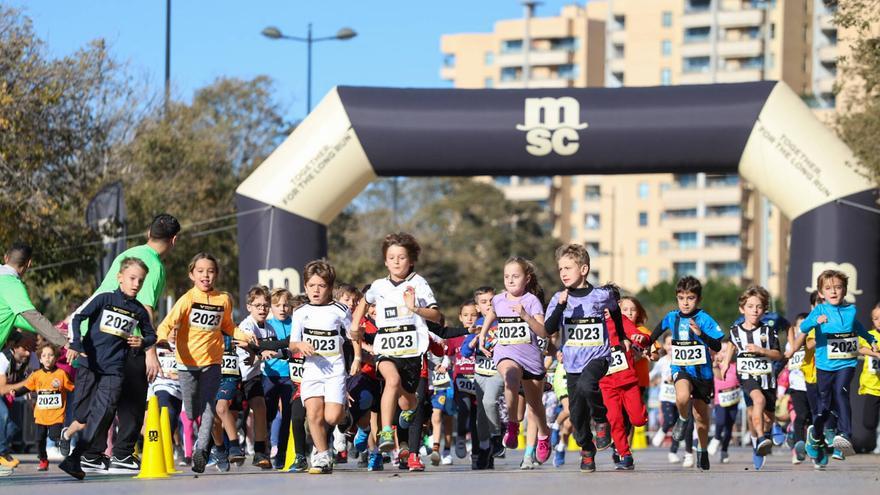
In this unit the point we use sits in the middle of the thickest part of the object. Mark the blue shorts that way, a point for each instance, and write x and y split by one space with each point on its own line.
228 389
443 400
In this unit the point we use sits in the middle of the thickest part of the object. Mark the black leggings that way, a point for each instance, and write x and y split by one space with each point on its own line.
43 431
803 417
725 418
871 412
298 422
670 415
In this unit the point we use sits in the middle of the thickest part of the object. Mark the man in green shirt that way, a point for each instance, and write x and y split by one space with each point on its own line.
141 367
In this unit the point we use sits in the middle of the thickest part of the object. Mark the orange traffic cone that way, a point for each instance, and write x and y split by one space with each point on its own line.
167 441
153 460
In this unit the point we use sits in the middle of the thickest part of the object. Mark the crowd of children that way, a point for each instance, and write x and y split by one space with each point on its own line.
371 371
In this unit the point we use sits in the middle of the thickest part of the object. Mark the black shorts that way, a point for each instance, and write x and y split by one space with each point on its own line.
701 389
769 395
409 369
365 393
252 388
527 375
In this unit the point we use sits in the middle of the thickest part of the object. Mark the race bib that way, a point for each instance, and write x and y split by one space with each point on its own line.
512 330
466 384
401 341
797 360
168 364
618 362
117 321
872 363
688 353
543 343
325 342
729 397
667 392
484 365
843 346
295 366
750 364
583 332
439 380
229 364
205 317
49 400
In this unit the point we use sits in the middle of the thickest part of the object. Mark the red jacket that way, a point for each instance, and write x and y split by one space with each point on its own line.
460 364
628 376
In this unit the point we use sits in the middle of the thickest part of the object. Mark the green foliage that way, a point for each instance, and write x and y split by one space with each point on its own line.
720 300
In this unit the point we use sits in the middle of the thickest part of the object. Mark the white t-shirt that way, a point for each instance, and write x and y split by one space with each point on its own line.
796 380
391 312
4 364
249 325
325 327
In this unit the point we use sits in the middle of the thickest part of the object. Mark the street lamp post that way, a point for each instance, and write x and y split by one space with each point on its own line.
274 33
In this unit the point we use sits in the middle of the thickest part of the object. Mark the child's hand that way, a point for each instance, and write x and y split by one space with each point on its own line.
724 367
306 349
409 298
874 347
355 367
695 328
267 354
135 341
440 369
754 349
486 352
822 319
563 297
520 310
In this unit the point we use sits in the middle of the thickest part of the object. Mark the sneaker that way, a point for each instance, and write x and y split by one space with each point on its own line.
236 456
7 460
678 430
199 461
588 461
800 450
6 471
97 464
262 461
559 459
339 441
625 463
528 464
837 455
375 463
703 460
615 457
212 459
543 450
321 463
688 461
300 465
44 465
764 447
673 458
814 446
725 457
63 444
794 458
713 446
603 436
403 459
71 466
446 460
821 461
361 440
222 458
414 463
480 459
435 457
658 438
363 459
460 448
498 448
405 418
758 460
187 461
778 435
844 445
54 454
127 465
342 457
511 436
386 440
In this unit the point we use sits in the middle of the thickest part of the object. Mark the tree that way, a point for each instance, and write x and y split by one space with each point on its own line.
858 123
720 300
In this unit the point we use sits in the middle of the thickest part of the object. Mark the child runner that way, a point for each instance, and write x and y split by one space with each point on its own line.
196 325
443 409
869 380
111 318
837 348
277 387
318 330
694 334
662 373
516 353
579 310
463 383
51 385
364 388
728 395
797 390
562 427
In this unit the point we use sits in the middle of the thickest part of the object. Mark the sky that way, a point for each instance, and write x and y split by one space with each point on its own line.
398 42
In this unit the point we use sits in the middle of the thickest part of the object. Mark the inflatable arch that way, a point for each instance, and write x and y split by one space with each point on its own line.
762 130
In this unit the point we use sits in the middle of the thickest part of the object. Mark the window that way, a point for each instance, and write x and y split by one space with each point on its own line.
685 240
697 5
684 268
644 190
643 276
722 180
574 233
574 205
664 245
510 73
592 193
449 60
643 219
542 204
731 240
592 249
643 247
681 213
667 19
665 77
724 269
696 64
594 277
619 21
753 32
503 180
666 48
723 211
511 46
756 62
685 181
697 34
539 181
567 71
489 58
488 82
664 274
564 43
592 221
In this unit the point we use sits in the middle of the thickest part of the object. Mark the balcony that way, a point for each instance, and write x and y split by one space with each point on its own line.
617 65
695 78
828 54
740 48
826 23
559 82
707 254
618 37
696 19
825 86
740 18
536 58
696 49
721 225
680 198
526 192
738 75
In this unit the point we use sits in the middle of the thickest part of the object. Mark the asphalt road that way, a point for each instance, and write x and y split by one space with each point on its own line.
653 475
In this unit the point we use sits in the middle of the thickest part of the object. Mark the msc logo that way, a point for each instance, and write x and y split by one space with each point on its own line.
852 287
274 278
551 125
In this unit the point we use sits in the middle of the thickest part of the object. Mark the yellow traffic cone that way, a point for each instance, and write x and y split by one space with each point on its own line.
521 438
167 441
640 441
572 444
153 460
290 455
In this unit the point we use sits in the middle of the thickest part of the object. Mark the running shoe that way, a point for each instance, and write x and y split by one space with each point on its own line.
97 464
414 463
688 461
800 450
794 458
7 471
300 465
673 458
222 459
758 460
703 460
480 459
511 437
186 461
554 434
725 457
778 435
528 464
342 457
625 464
790 440
814 446
199 461
63 444
405 418
615 457
361 440
262 461
126 465
44 465
321 463
602 438
838 455
212 459
71 466
236 456
764 446
658 438
543 450
446 460
822 461
843 444
435 457
460 448
713 446
588 461
403 459
678 430
54 454
498 448
386 440
375 463
559 459
363 459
